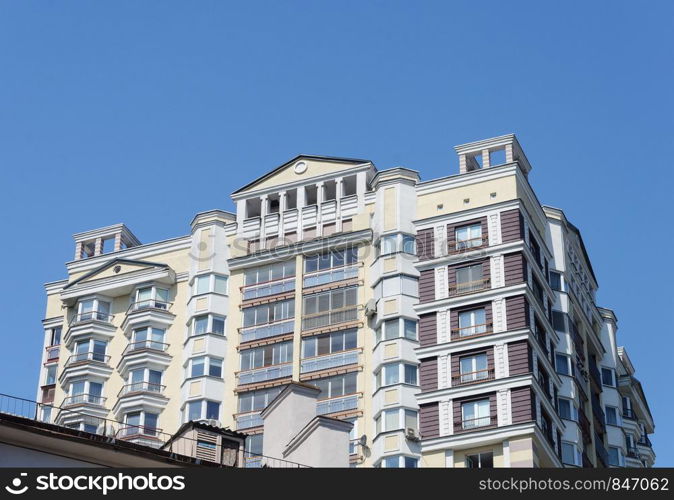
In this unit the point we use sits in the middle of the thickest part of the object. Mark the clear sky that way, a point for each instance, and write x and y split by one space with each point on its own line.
109 109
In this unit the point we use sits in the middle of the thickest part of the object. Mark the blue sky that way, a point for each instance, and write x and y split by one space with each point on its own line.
108 109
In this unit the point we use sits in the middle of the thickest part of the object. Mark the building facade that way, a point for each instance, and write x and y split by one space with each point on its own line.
452 322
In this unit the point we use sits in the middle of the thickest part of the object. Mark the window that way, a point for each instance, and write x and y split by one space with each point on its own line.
328 343
563 364
390 374
268 313
571 455
55 336
475 414
399 461
627 407
469 274
93 309
202 284
334 387
208 323
202 409
615 456
397 285
257 400
268 355
567 409
394 243
612 416
473 368
50 376
149 337
556 281
271 272
411 462
392 328
327 308
468 236
558 321
205 365
472 322
480 460
607 377
331 259
151 296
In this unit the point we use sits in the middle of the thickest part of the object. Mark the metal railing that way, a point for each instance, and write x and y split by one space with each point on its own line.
90 316
267 330
140 387
318 278
87 357
339 404
473 377
84 399
329 361
142 305
142 345
467 332
469 244
474 423
469 287
264 373
179 448
268 288
329 318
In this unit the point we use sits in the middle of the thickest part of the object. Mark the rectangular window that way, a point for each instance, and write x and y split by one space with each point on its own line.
411 420
55 336
468 275
475 414
612 417
570 454
615 456
558 321
411 463
334 387
198 365
472 322
410 328
200 325
411 374
220 285
329 260
468 236
269 313
607 377
391 374
473 368
563 364
567 409
480 460
202 284
268 355
213 410
556 280
50 377
264 274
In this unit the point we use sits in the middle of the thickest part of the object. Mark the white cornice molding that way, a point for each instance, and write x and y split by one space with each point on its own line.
111 282
460 180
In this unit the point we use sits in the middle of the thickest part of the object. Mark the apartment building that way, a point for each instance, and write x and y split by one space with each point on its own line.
452 322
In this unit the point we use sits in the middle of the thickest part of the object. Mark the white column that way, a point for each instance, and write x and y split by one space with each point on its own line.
338 208
263 213
320 196
281 209
485 158
440 240
300 212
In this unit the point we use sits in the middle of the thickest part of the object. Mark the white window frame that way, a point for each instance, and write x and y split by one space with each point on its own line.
203 415
210 287
209 325
474 328
473 233
153 301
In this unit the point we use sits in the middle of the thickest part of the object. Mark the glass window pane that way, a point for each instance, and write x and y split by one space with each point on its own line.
218 325
410 329
391 420
215 368
213 410
411 374
391 329
203 284
220 284
194 410
391 374
200 325
197 367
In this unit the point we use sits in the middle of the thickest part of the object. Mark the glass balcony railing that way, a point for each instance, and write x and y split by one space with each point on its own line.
87 357
263 374
91 316
267 330
329 361
143 345
83 399
330 276
329 318
339 404
248 420
141 387
267 289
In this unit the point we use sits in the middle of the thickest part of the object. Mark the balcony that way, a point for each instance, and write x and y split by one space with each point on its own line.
598 413
83 399
469 287
337 405
594 373
149 436
584 424
473 377
602 454
469 332
328 361
472 424
48 393
144 305
53 352
330 276
629 414
632 452
645 441
140 387
267 330
86 317
329 318
464 246
264 374
87 357
144 345
248 420
268 288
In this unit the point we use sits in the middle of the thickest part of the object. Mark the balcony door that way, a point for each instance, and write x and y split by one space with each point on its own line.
473 368
473 322
475 414
469 278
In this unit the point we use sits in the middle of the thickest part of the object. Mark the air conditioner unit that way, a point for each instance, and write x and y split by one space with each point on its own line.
370 308
412 434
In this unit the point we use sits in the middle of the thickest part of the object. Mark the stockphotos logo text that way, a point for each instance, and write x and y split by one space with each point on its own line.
104 483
